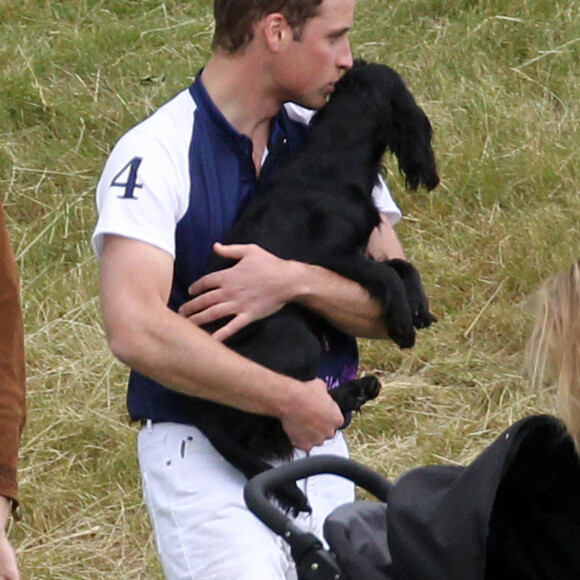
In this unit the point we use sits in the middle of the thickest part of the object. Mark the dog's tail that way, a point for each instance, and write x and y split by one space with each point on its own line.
553 352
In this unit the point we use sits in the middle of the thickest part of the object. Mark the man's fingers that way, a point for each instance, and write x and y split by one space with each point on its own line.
216 279
201 302
201 315
228 330
212 314
232 251
205 283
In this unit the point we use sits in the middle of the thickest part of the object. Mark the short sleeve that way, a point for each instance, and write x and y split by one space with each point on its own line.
142 193
385 202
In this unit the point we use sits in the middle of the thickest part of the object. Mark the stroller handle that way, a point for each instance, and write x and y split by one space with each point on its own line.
259 487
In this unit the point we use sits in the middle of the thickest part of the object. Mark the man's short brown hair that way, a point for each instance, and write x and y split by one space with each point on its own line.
235 19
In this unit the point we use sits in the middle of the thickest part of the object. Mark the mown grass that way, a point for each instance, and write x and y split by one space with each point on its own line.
500 81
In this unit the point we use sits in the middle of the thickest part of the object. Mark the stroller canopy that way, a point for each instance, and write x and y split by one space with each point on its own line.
514 513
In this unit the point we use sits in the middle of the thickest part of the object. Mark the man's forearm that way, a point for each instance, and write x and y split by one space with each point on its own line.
261 283
155 341
342 302
384 243
186 359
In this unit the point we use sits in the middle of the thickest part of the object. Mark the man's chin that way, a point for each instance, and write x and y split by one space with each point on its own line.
314 103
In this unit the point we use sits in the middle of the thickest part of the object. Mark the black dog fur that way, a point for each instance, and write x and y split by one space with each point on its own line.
319 210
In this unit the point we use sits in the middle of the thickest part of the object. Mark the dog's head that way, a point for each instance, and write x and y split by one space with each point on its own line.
379 94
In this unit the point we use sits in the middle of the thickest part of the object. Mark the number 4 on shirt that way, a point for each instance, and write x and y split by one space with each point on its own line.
127 179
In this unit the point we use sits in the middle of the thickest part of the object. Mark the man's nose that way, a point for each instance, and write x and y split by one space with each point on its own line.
345 60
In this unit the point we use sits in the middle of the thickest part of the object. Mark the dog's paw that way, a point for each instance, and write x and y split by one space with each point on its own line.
416 297
291 499
352 395
371 387
397 315
401 332
364 390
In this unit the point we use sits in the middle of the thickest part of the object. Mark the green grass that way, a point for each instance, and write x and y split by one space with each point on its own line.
500 81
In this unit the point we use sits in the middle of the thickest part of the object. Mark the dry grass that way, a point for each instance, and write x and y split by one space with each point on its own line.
500 82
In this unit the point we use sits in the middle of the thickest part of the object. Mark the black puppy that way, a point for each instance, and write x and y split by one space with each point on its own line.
319 210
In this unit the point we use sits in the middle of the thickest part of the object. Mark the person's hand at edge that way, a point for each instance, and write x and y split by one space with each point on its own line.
8 564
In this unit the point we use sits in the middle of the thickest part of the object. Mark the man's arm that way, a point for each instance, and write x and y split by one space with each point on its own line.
150 338
344 303
384 244
260 284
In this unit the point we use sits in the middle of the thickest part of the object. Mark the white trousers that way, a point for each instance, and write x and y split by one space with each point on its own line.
203 529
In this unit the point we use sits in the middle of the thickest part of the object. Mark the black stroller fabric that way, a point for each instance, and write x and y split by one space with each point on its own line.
357 533
514 513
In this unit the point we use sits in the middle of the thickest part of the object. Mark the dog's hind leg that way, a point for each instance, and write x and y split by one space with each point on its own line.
418 302
289 496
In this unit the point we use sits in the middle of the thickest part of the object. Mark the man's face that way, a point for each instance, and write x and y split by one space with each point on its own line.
313 63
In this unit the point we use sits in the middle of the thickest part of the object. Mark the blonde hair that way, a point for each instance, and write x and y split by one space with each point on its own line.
553 352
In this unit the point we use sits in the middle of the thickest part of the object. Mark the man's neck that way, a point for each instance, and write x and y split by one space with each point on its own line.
239 89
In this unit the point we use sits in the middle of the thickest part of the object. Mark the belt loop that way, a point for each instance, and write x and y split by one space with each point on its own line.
147 423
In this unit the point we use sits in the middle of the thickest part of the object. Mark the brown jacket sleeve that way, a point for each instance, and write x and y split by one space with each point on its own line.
12 377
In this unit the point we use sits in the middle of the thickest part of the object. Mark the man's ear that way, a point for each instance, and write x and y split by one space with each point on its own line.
276 30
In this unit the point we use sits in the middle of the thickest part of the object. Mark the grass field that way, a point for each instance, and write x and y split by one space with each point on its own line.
501 83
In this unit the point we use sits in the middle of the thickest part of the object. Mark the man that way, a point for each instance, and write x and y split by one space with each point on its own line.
171 188
12 394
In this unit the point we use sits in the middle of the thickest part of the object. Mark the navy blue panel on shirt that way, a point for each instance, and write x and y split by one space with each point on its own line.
222 179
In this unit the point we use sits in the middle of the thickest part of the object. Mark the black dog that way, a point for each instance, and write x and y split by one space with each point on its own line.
319 210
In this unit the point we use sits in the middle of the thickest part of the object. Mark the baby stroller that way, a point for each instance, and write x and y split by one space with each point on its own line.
514 513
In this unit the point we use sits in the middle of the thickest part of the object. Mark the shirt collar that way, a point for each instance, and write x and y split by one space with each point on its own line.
279 126
208 107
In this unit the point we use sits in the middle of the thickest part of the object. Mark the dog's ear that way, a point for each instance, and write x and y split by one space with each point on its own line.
408 132
404 127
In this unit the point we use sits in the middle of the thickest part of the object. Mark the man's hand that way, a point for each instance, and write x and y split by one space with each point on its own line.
314 419
8 566
255 287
